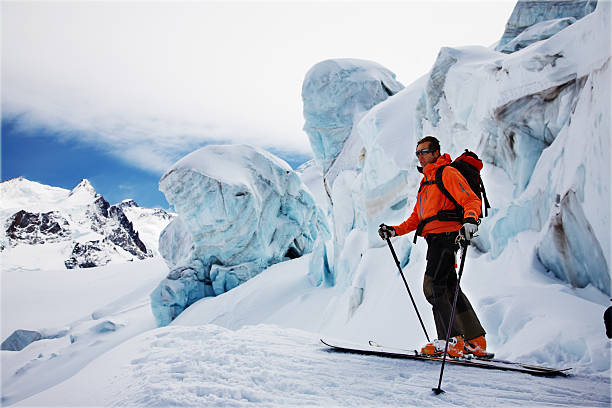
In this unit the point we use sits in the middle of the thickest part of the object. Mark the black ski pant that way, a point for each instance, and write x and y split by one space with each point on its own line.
439 287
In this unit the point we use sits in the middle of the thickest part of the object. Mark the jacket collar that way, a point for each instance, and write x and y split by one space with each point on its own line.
431 168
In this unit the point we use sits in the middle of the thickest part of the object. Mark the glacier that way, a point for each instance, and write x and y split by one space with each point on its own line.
240 209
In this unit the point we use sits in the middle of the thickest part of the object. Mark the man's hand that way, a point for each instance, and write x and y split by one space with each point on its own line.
469 229
386 231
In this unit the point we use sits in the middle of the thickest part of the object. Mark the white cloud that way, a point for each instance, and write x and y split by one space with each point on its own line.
152 80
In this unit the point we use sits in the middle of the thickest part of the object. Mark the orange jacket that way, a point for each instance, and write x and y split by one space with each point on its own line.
430 200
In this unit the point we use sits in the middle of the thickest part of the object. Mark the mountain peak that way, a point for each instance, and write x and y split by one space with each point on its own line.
84 186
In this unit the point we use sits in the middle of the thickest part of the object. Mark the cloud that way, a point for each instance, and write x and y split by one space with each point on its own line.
151 81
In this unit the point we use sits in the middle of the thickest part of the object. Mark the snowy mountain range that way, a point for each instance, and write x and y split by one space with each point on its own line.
261 262
78 226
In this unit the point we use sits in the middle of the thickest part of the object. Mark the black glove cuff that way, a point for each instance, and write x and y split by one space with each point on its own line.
470 220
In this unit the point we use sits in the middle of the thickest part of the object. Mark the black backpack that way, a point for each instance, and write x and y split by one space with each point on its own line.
469 165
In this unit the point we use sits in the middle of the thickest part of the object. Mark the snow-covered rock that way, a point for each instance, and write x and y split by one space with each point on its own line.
90 254
127 203
241 209
335 93
527 13
37 228
149 222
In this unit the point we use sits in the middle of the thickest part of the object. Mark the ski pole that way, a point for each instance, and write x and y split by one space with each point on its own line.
399 267
464 244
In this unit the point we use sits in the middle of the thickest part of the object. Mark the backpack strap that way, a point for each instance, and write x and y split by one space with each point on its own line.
443 215
426 183
484 196
440 184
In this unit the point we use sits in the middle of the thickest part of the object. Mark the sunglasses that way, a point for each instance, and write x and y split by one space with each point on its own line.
424 151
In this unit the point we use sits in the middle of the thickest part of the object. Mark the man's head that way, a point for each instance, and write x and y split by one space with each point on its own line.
428 150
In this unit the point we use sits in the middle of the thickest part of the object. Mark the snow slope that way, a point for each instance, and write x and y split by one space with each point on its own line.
273 367
90 311
263 350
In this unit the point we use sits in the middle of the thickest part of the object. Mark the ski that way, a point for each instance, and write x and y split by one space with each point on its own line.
492 364
487 357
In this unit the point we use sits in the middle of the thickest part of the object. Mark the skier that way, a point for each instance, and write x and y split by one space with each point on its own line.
467 334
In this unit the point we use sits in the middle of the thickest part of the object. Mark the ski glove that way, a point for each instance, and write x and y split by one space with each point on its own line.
468 231
386 231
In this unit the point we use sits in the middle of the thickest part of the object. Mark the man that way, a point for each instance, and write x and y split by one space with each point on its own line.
467 334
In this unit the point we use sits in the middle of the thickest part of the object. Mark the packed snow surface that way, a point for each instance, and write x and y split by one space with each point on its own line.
273 367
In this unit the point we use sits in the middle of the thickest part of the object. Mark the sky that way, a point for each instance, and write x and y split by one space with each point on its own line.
118 91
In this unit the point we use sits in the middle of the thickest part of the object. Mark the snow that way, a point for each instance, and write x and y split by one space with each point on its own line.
273 367
88 311
258 343
265 349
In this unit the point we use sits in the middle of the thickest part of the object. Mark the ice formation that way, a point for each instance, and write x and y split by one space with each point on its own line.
528 13
20 339
335 92
537 32
570 249
240 209
528 113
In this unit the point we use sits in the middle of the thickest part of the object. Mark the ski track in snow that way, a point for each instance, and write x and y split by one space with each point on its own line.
268 366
